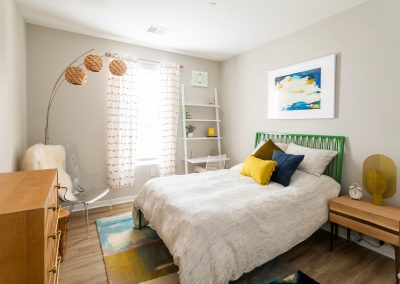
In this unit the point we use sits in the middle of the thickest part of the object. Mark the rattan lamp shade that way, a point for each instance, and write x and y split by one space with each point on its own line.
118 67
75 75
93 63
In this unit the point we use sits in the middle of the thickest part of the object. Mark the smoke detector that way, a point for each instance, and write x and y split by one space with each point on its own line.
156 30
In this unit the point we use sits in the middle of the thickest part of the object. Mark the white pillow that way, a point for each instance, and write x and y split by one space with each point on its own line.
283 146
315 160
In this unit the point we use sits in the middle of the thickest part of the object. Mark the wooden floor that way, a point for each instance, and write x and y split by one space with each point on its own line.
349 263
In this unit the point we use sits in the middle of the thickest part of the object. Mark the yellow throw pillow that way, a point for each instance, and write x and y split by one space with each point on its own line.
260 170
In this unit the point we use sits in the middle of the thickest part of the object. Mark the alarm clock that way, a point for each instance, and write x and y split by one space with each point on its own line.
355 191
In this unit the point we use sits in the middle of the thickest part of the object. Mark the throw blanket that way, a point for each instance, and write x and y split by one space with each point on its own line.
218 225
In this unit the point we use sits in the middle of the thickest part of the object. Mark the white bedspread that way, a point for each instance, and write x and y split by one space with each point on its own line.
218 225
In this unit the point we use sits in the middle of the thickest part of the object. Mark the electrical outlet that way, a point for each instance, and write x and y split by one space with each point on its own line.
153 172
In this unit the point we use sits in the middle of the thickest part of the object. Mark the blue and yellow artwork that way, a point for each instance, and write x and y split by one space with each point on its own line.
299 91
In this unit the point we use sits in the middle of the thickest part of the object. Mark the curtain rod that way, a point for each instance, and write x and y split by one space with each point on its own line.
129 58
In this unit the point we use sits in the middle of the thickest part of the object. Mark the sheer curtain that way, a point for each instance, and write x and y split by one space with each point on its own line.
169 114
122 111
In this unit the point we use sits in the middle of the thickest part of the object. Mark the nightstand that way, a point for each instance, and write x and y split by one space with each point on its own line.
380 222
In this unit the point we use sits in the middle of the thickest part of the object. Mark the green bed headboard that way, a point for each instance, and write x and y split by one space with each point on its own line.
327 142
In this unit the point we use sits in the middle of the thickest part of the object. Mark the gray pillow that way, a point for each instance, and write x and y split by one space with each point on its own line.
315 160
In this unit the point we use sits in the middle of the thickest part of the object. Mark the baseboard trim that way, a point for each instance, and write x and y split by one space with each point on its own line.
386 249
101 203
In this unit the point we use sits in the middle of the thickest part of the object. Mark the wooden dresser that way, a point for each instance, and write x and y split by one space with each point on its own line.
29 236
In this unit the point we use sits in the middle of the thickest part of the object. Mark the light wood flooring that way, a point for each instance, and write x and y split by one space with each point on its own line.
348 263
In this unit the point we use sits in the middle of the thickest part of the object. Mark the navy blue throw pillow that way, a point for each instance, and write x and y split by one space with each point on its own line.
287 165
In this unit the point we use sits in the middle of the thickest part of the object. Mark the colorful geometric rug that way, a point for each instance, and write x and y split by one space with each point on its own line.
139 256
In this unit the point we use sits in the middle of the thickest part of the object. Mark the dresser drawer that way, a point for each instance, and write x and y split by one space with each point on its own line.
51 211
366 228
363 215
52 260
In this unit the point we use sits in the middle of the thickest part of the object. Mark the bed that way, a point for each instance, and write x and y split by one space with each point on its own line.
219 225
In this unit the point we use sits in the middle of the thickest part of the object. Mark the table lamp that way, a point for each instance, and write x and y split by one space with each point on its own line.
379 177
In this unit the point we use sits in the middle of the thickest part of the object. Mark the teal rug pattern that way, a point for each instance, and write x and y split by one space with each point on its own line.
139 256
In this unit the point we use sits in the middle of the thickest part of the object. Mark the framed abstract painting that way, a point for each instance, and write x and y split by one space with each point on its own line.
302 91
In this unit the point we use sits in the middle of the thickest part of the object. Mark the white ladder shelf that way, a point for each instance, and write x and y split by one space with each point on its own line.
217 121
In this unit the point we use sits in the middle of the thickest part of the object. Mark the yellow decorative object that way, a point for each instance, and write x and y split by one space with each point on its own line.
379 177
376 182
260 170
211 131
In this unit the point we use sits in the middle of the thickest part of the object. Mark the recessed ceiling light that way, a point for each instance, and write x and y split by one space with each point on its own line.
156 30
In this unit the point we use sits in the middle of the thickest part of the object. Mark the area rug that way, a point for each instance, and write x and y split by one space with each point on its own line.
139 256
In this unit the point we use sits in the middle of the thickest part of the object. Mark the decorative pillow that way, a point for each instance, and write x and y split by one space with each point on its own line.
287 165
258 169
264 150
315 160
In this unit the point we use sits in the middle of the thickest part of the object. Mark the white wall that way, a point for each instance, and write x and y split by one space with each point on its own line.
12 86
78 112
366 40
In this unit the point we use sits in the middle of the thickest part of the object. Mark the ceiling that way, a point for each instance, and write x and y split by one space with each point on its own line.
194 27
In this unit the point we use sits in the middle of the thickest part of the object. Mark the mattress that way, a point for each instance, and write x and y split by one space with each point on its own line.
219 225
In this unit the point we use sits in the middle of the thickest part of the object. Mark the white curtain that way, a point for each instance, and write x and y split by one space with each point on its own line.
169 114
122 111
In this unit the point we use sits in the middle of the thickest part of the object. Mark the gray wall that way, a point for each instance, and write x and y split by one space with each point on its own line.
366 40
12 86
78 112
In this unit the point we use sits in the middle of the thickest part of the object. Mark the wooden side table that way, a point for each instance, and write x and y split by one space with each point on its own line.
380 222
63 221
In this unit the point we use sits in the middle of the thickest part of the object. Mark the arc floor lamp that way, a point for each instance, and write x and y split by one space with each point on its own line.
76 75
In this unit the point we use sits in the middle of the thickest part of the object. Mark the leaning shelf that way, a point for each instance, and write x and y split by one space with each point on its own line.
199 160
202 120
202 105
203 138
215 122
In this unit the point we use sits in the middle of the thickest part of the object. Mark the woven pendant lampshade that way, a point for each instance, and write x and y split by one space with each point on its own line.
75 75
93 63
118 67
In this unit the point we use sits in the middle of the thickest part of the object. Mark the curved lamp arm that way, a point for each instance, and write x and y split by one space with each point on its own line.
54 91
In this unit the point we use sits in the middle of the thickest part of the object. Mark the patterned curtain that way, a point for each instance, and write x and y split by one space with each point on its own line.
122 111
169 114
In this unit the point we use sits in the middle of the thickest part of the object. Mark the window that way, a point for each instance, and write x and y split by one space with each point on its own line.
147 146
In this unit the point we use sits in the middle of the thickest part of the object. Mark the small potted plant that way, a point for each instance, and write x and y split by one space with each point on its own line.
189 130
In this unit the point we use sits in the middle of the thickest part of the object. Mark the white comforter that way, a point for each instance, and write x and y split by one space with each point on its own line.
218 225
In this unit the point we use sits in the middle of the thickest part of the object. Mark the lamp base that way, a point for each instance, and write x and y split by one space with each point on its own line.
377 199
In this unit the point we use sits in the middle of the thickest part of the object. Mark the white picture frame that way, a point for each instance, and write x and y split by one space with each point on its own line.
199 78
302 91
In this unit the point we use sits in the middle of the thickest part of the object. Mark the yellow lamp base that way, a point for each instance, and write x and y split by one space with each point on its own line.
377 199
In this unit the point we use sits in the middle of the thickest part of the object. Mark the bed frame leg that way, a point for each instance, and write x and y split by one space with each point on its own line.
332 235
140 214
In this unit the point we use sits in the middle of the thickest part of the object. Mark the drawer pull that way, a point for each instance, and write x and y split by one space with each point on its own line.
54 235
58 268
55 267
53 207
